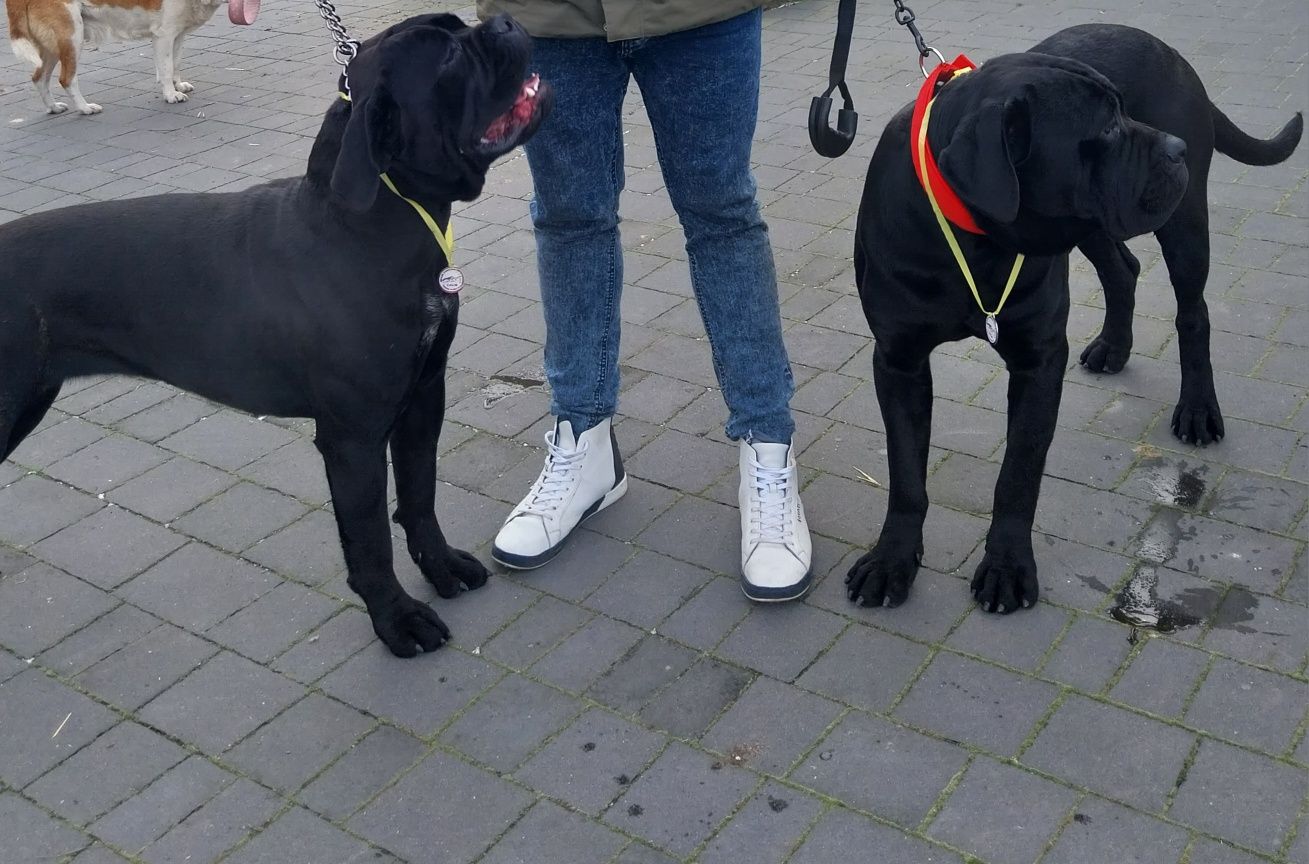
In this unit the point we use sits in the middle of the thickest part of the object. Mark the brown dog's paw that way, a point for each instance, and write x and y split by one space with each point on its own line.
1006 580
883 575
1105 356
1198 421
407 625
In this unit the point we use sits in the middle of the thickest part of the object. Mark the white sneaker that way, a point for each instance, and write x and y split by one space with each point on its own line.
775 546
581 477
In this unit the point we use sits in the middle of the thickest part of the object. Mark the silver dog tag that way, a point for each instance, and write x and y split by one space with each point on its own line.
451 279
992 329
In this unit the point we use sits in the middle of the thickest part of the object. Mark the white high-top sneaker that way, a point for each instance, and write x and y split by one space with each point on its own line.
581 477
775 547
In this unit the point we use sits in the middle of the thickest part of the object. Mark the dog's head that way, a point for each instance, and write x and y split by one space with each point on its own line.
433 102
1040 150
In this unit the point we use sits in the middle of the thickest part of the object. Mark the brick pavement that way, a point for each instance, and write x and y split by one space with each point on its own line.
184 675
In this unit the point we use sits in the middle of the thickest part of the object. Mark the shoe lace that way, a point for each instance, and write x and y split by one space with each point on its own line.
562 467
768 518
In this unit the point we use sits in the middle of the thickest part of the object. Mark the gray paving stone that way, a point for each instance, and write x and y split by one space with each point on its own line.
1209 852
770 726
781 639
692 530
766 829
475 615
1072 574
365 769
270 625
509 722
579 661
1258 501
295 470
844 836
40 606
1161 678
648 588
114 767
227 440
535 632
45 723
35 508
1146 756
986 706
1261 629
240 516
682 461
108 547
171 489
299 837
98 854
1217 550
52 443
216 827
140 671
107 463
299 743
1256 813
1084 515
221 702
483 805
1020 639
33 835
591 762
419 696
687 706
139 820
1002 814
651 665
679 800
706 618
1090 653
1102 831
865 668
196 587
549 834
582 566
1249 706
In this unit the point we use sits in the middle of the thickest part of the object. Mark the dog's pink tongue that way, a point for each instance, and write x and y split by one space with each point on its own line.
242 11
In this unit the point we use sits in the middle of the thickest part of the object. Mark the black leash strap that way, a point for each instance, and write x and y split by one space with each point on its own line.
827 141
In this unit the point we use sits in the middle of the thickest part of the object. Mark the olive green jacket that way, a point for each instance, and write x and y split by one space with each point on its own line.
614 19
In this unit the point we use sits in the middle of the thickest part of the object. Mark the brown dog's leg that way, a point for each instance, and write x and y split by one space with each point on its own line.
356 474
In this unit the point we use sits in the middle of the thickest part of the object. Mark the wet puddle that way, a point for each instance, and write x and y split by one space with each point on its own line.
1139 607
1175 483
503 386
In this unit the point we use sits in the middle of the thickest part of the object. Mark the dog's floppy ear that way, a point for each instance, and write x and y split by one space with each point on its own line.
979 162
367 148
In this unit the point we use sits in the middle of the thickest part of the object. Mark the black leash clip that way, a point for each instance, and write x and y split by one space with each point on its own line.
827 141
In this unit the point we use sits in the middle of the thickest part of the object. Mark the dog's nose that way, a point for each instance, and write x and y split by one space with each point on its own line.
1174 149
499 25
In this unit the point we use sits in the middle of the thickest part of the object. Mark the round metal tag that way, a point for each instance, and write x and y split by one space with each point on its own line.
992 329
451 279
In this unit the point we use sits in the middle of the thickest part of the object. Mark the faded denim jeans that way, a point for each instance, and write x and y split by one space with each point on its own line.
701 92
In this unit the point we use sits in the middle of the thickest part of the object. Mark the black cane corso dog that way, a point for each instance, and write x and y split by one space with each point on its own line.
1099 134
308 297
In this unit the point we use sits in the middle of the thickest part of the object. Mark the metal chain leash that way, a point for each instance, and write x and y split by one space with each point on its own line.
905 17
346 48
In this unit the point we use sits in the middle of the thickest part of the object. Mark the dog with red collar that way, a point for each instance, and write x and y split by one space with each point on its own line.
974 198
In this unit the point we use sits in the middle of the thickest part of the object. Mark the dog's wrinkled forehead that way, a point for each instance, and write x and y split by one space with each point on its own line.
1063 77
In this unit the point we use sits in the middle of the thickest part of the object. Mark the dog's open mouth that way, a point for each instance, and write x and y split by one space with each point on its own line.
504 130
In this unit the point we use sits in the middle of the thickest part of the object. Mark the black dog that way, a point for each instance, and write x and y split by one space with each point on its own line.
309 297
1087 140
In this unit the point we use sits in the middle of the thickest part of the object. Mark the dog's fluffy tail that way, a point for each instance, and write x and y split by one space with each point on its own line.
1230 140
20 40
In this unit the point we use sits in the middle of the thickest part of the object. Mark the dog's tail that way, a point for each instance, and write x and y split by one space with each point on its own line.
20 40
1253 151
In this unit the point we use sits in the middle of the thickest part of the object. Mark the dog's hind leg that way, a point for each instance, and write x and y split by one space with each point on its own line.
68 70
41 78
1184 240
1118 269
182 86
166 70
356 475
24 395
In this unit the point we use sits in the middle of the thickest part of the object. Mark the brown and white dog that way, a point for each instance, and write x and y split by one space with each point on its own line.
49 32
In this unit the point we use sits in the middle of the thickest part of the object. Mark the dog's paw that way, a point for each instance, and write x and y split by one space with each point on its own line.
182 87
91 108
455 573
407 625
1105 356
1006 579
883 575
57 108
175 96
1198 422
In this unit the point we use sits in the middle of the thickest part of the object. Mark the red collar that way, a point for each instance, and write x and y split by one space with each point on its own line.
951 206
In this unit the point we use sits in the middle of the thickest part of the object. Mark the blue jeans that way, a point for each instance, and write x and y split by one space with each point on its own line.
701 91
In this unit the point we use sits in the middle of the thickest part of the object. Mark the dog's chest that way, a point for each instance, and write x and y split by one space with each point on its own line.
106 20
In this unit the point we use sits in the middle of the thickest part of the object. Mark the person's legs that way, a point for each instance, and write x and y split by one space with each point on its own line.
576 159
701 91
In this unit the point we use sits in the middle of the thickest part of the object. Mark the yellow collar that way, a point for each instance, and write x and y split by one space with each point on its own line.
992 328
445 239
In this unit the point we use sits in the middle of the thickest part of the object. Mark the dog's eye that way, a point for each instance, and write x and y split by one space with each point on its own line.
1111 131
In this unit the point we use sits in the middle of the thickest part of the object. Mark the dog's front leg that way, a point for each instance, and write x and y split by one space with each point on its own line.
165 68
356 475
1006 578
904 391
413 457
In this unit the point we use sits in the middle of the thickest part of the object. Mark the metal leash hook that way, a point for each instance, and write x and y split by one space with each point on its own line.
827 141
346 48
905 17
